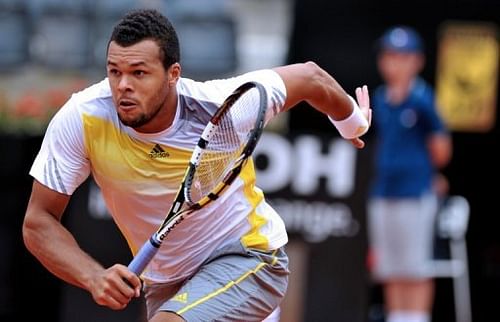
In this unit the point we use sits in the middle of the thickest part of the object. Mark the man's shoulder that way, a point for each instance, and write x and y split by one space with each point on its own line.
203 91
96 91
219 89
423 92
95 99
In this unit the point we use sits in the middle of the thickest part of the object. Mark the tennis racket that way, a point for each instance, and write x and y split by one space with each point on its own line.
225 145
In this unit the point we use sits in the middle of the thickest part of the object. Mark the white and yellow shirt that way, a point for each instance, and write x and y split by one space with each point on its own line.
139 173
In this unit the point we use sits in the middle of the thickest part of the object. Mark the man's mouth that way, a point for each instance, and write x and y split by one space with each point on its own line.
127 103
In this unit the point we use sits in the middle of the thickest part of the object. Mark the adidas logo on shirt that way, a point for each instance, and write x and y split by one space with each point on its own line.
158 152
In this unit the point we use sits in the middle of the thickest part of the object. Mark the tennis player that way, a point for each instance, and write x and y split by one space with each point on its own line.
134 132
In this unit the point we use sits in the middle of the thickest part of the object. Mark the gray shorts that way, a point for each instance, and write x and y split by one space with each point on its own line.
401 237
234 284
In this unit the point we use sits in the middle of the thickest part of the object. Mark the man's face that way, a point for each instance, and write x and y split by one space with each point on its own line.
141 86
399 67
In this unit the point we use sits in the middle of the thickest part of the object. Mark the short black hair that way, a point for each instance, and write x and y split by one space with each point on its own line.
142 24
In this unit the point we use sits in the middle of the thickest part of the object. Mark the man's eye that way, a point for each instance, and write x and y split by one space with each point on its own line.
113 72
139 73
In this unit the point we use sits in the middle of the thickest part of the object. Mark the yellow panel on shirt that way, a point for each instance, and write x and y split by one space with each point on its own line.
130 163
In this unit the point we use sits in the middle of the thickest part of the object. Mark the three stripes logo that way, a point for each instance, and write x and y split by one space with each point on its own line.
158 152
183 298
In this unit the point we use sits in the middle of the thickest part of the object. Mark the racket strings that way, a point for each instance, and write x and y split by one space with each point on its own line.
226 144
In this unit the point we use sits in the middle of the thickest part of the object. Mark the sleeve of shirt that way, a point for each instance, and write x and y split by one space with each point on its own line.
272 82
61 163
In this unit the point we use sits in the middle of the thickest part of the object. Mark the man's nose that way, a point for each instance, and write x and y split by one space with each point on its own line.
125 83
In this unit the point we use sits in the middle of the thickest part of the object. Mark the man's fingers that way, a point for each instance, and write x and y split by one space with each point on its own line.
133 282
358 143
363 98
366 96
359 96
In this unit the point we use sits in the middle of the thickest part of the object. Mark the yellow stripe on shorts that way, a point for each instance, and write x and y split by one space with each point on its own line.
226 287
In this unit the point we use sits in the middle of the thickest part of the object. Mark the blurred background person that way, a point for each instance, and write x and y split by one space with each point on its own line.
412 144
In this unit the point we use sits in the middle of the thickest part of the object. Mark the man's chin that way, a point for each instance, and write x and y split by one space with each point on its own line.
133 123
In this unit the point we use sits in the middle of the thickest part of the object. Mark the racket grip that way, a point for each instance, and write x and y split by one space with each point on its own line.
144 256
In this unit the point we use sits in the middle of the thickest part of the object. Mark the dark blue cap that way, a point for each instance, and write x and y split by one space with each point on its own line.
401 39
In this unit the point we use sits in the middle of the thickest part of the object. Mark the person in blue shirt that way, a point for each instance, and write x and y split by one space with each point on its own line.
412 144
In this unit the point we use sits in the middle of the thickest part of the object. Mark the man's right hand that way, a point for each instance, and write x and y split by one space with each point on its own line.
115 287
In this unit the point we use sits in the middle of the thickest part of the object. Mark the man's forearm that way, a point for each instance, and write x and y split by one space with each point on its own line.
53 245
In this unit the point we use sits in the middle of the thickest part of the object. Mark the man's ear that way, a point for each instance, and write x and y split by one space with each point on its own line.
173 73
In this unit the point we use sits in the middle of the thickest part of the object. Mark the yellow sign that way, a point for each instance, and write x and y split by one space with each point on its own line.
467 75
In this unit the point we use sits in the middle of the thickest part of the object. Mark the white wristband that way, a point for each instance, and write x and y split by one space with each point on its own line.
353 126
